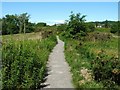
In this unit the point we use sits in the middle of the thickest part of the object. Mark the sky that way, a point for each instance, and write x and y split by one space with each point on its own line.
59 0
58 12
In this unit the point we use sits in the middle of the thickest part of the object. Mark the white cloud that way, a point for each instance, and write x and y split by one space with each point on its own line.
59 21
52 22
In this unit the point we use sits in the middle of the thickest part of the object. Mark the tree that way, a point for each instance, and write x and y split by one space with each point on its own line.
61 28
106 24
10 24
96 24
30 27
91 27
23 20
13 24
76 24
115 27
41 24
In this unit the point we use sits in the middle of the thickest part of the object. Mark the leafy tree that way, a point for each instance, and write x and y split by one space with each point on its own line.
30 27
114 28
91 27
23 20
13 24
41 24
106 24
61 28
76 24
9 24
96 23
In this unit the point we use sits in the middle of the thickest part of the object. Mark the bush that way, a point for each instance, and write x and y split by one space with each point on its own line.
74 55
24 62
41 24
91 27
114 28
106 70
62 28
98 36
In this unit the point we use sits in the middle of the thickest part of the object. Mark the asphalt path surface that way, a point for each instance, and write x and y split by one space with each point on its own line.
59 75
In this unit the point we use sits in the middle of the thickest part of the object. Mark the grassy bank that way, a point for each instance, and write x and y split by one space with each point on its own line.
24 62
89 71
80 66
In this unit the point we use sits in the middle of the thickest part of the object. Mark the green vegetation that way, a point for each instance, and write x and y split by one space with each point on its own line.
115 28
0 80
41 24
106 69
24 62
92 55
90 49
14 24
105 30
78 62
104 24
24 56
75 26
100 58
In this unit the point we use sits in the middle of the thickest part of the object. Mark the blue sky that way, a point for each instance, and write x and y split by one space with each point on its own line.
57 12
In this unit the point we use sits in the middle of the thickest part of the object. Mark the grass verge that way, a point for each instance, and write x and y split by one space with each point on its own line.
82 57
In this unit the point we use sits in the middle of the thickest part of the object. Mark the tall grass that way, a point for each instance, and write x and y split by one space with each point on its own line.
24 62
83 55
77 62
110 46
106 30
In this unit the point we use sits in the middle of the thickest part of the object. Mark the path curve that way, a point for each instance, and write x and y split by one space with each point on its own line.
58 69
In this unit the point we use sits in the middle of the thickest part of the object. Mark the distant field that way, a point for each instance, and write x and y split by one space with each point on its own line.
22 36
106 30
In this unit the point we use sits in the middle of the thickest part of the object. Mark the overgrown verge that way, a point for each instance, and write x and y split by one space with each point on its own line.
94 64
106 69
24 62
80 66
84 45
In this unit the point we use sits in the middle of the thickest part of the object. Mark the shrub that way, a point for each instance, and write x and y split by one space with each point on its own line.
98 36
24 62
91 27
62 28
114 28
106 69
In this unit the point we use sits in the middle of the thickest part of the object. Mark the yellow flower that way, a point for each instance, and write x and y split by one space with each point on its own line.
116 71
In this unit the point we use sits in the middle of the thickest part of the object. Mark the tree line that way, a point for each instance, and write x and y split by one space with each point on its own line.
14 24
76 25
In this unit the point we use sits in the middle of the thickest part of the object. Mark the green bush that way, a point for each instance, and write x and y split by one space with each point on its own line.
62 28
115 28
24 62
106 69
75 55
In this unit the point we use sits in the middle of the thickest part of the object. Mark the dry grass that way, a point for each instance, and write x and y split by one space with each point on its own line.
26 36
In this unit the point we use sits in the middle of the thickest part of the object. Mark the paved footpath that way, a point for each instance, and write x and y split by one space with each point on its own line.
58 69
